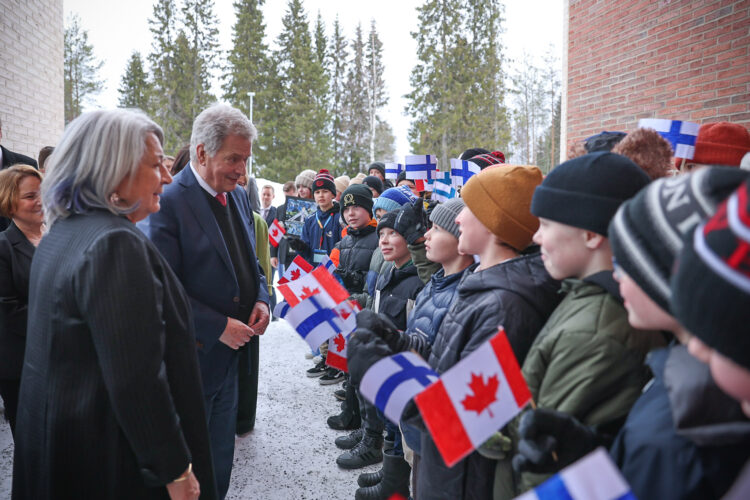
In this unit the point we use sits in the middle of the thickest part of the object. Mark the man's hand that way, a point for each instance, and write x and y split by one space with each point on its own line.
275 262
185 489
236 334
259 318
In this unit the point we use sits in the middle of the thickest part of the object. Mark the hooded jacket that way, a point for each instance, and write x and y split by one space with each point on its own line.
355 253
518 294
396 291
684 438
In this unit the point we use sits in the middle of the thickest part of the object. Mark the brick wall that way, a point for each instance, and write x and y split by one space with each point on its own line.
677 59
31 74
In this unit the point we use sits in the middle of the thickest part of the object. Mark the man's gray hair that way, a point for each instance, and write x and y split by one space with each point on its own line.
214 125
96 152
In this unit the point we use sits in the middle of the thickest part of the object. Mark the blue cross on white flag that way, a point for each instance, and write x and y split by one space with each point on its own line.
420 166
681 135
315 320
392 170
392 382
594 477
442 189
462 170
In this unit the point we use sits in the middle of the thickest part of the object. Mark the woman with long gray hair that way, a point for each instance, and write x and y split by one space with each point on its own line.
110 403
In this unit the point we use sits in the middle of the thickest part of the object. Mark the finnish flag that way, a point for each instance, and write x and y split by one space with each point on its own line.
420 166
594 477
392 170
681 135
315 320
392 382
442 189
462 171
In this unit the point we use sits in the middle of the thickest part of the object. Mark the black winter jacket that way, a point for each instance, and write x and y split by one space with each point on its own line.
355 253
395 293
684 438
518 294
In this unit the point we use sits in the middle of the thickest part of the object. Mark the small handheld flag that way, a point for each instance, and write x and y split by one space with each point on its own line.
347 313
420 166
462 170
392 382
392 170
317 282
298 268
475 398
275 232
442 189
314 319
681 135
594 477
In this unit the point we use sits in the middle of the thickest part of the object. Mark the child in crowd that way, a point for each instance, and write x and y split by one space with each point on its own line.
395 294
711 292
587 361
321 230
430 308
504 288
683 438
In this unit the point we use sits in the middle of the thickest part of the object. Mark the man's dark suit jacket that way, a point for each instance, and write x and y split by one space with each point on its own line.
15 264
271 215
10 158
186 232
111 403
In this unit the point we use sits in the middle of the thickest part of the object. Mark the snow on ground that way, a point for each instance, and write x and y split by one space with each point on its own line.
290 454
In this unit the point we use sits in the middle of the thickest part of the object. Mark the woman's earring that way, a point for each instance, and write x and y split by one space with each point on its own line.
114 199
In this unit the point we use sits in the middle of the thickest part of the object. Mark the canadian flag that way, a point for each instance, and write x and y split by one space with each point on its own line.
275 232
298 268
317 282
315 320
347 314
475 398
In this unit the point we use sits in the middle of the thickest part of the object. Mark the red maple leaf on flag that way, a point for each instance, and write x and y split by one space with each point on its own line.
275 232
307 293
343 313
484 394
295 274
340 342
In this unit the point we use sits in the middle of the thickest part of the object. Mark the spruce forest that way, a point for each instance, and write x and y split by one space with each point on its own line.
319 96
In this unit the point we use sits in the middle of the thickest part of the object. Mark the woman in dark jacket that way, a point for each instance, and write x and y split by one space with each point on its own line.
111 403
20 202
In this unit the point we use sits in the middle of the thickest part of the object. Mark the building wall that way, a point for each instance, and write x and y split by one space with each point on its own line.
676 59
31 74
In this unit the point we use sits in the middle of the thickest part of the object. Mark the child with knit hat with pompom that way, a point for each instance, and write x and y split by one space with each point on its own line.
504 288
321 231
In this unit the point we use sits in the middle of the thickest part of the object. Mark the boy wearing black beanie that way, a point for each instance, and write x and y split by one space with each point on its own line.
587 361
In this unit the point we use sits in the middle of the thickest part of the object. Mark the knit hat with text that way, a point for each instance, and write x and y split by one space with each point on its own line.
648 231
711 288
500 198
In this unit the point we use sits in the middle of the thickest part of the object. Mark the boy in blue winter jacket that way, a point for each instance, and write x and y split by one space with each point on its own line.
321 231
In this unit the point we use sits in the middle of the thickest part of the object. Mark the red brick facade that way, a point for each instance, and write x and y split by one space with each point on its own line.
677 59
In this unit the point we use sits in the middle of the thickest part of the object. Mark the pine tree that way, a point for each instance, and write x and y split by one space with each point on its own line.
355 108
135 90
529 111
249 69
337 59
163 26
300 131
80 69
458 94
376 95
385 147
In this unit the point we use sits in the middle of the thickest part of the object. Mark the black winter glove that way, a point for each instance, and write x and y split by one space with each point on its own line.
365 347
383 328
412 221
543 431
296 243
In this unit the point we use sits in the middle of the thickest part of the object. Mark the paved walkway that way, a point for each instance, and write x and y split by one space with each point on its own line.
290 454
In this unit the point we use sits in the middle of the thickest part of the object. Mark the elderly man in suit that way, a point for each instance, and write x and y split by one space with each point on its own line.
205 230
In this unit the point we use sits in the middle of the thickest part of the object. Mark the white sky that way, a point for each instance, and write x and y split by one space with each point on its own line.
117 28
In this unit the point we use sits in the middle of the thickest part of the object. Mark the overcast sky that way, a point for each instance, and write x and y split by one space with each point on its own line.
117 28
